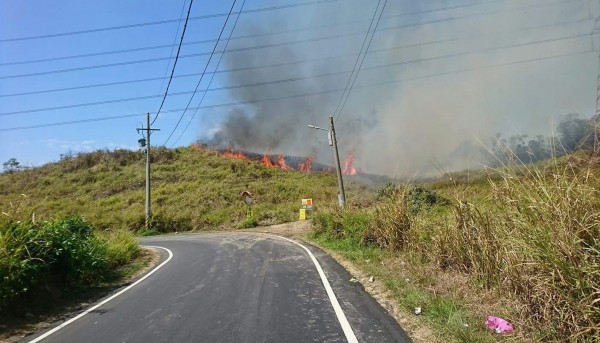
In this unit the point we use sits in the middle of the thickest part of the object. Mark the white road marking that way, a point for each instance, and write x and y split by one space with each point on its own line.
45 335
350 336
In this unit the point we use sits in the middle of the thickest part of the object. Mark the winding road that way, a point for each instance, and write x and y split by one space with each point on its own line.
234 287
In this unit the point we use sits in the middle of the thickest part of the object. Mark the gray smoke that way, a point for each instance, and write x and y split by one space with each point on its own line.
464 74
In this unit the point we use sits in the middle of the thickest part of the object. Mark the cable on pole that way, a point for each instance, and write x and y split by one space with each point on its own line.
158 59
162 83
287 63
358 57
380 66
361 63
213 74
203 73
377 84
160 22
175 63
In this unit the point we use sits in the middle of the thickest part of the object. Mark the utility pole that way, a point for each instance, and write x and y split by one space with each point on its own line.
146 143
333 142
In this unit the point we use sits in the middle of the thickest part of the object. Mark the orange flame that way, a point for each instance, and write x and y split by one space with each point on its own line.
348 168
266 160
238 155
281 163
306 166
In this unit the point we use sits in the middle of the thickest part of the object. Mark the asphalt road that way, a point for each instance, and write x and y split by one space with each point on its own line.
236 287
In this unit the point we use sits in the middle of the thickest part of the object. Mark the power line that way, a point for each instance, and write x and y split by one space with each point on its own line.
158 59
213 74
175 63
384 83
289 63
361 63
386 65
102 53
359 54
162 83
203 73
160 22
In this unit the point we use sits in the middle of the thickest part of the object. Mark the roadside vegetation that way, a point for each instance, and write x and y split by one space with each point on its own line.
44 263
521 242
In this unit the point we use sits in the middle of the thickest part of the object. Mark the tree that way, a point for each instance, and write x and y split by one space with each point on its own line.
573 131
12 165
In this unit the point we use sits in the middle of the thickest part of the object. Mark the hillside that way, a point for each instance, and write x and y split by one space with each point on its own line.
192 189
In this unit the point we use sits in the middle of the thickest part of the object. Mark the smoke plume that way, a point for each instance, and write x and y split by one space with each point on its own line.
439 77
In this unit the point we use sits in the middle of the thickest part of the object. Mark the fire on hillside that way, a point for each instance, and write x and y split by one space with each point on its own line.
302 164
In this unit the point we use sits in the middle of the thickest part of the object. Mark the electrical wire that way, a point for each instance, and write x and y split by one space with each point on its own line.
359 54
420 44
174 64
386 65
361 63
160 22
213 74
203 73
384 83
166 73
158 59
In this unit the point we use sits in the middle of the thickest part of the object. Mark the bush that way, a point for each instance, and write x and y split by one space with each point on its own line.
249 223
62 254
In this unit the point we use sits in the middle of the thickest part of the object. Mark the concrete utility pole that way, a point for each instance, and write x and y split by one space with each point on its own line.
333 143
342 194
146 143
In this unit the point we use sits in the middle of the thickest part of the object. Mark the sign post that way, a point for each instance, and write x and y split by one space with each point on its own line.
247 197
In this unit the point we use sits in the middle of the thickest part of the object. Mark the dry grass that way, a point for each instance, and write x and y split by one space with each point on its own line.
529 234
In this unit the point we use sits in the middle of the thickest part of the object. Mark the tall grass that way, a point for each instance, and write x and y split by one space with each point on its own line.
45 259
534 237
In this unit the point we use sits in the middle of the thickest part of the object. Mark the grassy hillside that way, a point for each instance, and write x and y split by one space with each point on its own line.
192 189
522 243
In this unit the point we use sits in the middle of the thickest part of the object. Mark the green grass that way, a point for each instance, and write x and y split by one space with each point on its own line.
444 315
192 190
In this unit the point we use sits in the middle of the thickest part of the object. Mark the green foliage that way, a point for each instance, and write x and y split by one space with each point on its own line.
249 223
11 166
573 133
36 257
420 198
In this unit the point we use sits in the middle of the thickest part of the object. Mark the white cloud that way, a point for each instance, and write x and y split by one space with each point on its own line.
84 146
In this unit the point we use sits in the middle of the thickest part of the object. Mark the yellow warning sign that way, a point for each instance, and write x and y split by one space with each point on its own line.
302 214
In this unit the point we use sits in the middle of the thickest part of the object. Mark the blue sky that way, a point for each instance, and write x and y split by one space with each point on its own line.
457 70
26 18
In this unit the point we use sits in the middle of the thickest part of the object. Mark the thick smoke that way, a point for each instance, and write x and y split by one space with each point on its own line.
464 74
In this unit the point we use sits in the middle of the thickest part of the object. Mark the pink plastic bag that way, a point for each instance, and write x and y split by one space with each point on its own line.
499 325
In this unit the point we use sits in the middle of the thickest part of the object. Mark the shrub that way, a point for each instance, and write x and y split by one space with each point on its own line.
62 254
